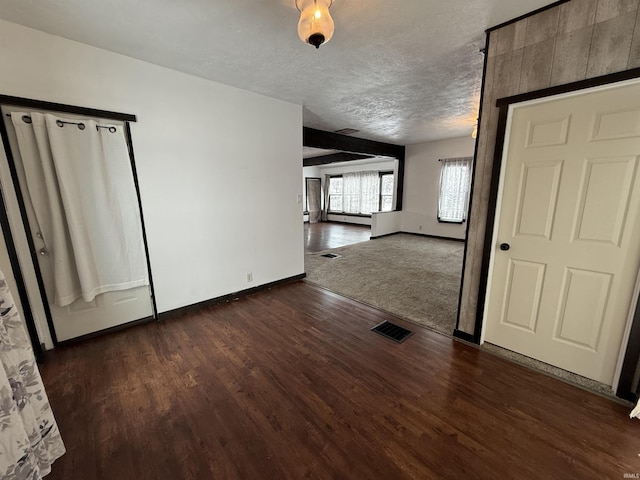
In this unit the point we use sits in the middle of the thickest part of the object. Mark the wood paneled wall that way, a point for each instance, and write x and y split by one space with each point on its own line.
574 41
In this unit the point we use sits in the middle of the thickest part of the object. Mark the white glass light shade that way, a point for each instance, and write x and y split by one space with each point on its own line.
474 134
316 25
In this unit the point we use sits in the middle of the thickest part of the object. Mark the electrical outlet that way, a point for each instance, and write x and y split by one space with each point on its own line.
249 277
299 199
420 227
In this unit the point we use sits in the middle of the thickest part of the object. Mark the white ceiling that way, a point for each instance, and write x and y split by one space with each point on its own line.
400 71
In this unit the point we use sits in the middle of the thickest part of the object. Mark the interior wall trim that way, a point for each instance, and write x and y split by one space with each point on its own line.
136 183
467 337
62 107
106 331
571 87
17 275
177 312
631 361
12 251
436 237
473 181
632 353
527 15
9 101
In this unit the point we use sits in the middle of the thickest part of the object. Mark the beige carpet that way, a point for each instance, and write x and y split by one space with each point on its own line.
414 277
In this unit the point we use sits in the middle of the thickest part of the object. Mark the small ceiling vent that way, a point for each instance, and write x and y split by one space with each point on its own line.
347 131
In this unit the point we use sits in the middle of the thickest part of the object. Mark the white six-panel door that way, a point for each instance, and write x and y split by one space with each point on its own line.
569 209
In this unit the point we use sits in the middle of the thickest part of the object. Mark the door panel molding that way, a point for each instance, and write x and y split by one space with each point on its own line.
631 358
535 273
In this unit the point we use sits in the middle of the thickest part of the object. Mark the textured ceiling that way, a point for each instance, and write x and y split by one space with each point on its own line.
400 71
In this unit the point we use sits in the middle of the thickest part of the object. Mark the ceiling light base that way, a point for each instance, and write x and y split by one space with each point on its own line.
316 25
316 40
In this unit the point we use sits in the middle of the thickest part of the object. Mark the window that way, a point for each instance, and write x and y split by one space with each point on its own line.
455 177
386 191
361 193
335 194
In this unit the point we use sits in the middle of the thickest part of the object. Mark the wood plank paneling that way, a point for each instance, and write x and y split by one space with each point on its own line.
290 383
591 38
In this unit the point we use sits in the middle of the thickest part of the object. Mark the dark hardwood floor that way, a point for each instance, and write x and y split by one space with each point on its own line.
327 235
290 383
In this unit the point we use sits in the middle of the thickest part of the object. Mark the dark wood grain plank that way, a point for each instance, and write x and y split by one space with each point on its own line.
328 235
290 383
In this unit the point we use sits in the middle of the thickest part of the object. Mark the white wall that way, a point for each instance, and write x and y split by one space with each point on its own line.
214 162
385 223
421 181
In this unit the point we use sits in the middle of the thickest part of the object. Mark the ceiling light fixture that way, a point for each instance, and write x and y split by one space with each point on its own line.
316 25
474 134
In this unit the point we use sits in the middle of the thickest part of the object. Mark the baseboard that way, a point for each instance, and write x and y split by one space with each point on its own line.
628 396
106 331
385 235
348 223
437 237
226 298
467 337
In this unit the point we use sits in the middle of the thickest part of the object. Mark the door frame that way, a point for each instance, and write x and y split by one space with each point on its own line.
10 101
629 361
306 192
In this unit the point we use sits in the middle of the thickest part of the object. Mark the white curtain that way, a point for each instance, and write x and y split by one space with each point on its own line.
29 437
636 411
370 192
351 193
361 192
79 181
455 176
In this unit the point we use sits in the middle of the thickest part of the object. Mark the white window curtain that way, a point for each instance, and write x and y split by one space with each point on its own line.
455 176
361 192
370 192
80 184
351 193
29 437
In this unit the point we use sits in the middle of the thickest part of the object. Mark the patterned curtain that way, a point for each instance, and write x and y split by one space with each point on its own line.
29 438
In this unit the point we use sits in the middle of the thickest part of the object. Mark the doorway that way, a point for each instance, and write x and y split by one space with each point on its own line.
565 257
30 214
313 188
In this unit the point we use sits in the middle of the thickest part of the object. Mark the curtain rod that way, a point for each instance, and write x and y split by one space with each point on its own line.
62 123
455 158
